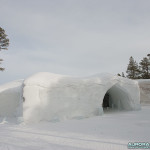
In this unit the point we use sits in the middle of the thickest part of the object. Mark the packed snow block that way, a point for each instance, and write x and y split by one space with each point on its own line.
11 99
55 97
144 85
125 95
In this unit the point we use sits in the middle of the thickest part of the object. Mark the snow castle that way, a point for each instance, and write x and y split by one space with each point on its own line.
56 97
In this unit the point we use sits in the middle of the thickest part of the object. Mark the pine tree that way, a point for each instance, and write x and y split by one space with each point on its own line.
123 74
145 68
4 43
132 69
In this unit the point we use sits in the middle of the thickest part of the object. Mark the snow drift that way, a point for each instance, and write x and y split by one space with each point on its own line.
11 99
55 97
144 85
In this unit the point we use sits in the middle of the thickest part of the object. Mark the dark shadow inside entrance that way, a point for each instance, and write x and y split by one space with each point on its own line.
106 103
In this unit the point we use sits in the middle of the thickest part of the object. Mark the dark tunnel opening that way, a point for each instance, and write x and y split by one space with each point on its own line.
106 101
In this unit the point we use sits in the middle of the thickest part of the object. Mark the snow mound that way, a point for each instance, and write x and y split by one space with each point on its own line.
11 99
144 85
55 97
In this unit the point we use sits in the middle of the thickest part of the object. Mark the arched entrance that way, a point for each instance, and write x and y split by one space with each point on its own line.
117 98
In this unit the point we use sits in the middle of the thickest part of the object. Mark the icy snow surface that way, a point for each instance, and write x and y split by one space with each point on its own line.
50 98
55 97
11 99
144 85
111 131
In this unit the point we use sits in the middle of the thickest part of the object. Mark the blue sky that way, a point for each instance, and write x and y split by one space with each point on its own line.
73 37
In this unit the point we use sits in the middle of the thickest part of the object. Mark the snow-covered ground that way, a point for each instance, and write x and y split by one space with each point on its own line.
113 130
65 110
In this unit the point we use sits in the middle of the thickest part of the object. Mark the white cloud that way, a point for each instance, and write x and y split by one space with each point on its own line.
73 37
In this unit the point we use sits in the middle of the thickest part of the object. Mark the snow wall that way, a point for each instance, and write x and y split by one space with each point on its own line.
144 85
11 99
55 97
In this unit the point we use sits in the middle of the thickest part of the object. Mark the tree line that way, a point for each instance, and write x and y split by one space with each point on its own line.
138 70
